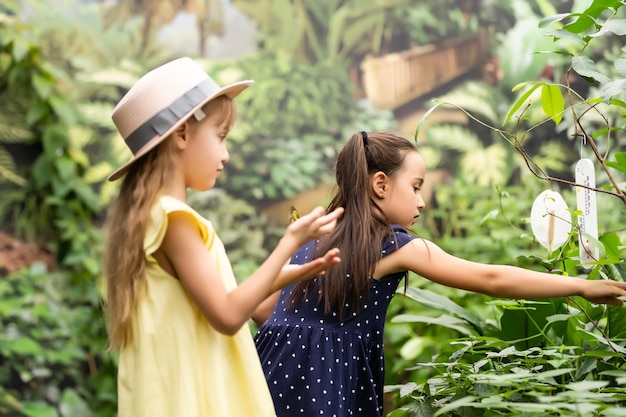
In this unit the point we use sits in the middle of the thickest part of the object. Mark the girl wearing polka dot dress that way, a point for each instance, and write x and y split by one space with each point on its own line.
322 346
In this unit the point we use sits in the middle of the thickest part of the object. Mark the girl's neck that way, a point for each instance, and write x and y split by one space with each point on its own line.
177 189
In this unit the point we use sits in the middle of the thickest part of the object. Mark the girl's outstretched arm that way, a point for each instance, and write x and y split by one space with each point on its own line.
228 311
428 260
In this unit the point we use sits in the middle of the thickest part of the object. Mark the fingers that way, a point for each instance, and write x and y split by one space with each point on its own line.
317 216
292 273
606 292
326 223
315 224
324 262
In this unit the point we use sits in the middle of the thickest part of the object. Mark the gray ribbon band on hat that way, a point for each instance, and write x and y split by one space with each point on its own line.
169 116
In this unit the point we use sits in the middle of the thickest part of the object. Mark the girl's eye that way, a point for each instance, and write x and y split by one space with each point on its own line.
416 189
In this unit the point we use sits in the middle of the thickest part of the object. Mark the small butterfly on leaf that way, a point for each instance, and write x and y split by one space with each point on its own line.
293 215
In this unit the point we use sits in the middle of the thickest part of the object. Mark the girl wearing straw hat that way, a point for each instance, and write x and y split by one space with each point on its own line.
173 306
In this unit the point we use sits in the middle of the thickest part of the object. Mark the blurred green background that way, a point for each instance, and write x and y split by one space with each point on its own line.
324 70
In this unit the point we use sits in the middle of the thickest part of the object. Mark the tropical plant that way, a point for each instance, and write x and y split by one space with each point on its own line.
289 126
560 356
52 343
334 32
441 347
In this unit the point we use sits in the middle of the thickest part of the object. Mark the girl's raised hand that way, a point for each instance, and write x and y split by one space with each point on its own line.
313 225
291 273
604 292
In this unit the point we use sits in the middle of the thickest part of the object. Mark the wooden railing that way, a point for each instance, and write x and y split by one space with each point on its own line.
393 80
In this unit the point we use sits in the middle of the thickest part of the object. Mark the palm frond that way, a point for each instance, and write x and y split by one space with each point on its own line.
8 169
488 166
453 137
478 98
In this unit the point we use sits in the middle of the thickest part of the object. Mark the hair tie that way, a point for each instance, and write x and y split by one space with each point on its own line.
364 136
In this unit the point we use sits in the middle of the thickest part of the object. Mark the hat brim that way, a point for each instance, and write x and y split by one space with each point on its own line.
231 91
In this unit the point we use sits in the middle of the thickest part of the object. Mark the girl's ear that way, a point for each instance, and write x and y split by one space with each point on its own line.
379 184
180 135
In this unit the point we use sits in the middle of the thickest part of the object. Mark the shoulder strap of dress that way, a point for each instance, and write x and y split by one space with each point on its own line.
164 206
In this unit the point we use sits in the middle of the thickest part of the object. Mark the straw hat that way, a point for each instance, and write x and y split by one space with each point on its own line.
161 101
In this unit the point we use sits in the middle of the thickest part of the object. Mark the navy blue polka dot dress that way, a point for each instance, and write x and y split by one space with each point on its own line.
317 365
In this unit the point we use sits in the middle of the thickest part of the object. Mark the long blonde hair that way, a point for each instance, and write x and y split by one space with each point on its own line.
128 218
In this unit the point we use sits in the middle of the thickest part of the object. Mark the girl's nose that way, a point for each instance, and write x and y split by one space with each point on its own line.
420 202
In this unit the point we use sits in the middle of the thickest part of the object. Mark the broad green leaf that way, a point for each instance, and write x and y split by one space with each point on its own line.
552 102
620 65
24 346
620 165
617 102
36 112
43 85
597 7
63 109
614 26
550 20
33 409
586 67
398 413
73 405
441 302
582 23
455 405
443 320
613 88
586 385
562 34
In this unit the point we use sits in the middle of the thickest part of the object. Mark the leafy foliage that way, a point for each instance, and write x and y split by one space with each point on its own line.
51 344
550 358
284 139
460 353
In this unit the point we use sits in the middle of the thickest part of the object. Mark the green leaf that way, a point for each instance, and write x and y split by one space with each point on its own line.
43 85
550 20
63 110
20 48
24 346
73 405
620 65
613 88
552 102
521 101
424 118
620 165
562 34
444 320
37 111
614 26
440 302
32 409
581 24
65 167
455 405
586 67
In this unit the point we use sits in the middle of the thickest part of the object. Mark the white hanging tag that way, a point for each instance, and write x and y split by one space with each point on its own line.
550 220
588 220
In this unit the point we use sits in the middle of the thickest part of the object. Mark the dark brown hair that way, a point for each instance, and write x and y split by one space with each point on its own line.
363 227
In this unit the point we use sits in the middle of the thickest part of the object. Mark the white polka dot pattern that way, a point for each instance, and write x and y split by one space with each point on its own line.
317 365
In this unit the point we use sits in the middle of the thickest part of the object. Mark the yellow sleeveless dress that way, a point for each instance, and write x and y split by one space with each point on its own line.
177 364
